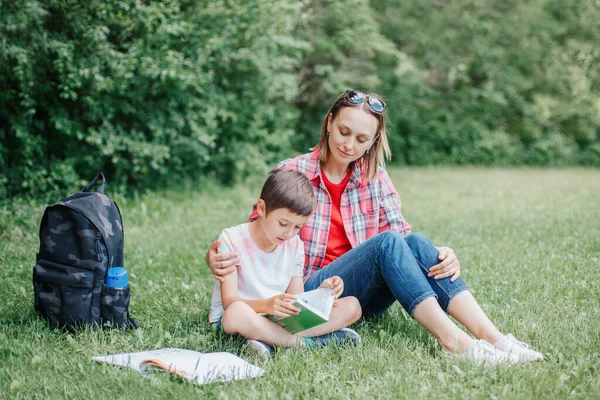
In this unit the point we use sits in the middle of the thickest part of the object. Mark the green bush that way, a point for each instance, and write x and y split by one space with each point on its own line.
148 92
494 83
157 92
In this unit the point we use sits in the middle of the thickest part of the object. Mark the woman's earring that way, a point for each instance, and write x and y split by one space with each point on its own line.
327 133
367 151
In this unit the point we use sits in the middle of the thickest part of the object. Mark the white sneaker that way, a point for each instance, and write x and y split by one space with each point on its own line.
481 352
510 344
259 349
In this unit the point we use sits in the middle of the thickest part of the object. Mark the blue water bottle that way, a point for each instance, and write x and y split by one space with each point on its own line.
117 278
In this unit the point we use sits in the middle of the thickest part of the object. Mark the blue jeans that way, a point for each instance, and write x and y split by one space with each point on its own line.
389 267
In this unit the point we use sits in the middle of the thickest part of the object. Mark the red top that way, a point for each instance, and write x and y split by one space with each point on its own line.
337 243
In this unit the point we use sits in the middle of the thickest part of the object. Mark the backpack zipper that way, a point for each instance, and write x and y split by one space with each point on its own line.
99 253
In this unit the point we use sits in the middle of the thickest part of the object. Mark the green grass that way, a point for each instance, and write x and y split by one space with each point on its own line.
528 241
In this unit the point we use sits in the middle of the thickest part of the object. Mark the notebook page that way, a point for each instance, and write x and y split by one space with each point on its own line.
321 299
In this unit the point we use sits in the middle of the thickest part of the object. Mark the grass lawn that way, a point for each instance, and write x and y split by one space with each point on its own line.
529 245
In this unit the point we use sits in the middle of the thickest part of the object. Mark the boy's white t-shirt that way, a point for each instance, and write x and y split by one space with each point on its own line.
260 275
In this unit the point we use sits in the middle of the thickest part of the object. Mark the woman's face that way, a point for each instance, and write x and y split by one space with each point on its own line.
351 134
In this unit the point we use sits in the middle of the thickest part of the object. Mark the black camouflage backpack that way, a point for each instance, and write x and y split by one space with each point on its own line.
81 237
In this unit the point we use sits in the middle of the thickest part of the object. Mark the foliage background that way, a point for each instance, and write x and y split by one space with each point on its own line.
159 92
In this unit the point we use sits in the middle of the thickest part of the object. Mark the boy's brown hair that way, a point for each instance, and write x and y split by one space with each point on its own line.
288 189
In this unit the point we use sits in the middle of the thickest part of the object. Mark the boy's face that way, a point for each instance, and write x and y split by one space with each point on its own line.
281 224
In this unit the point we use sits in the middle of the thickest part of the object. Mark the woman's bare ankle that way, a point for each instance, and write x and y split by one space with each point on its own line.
489 335
456 345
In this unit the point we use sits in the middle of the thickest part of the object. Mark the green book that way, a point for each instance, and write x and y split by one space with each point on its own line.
315 307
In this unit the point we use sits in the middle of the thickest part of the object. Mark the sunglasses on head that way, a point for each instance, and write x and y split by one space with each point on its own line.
356 97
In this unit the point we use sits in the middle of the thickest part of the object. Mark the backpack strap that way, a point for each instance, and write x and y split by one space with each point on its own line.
94 181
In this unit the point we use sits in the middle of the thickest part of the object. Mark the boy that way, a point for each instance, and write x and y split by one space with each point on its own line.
269 272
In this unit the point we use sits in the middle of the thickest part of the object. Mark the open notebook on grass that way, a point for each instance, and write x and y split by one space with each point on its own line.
197 367
315 306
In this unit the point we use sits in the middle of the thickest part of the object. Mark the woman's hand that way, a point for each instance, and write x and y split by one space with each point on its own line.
449 265
336 284
220 263
280 306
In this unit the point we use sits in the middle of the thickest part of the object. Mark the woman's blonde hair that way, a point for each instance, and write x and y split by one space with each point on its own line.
379 152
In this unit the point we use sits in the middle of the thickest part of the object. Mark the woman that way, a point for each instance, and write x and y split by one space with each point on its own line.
357 232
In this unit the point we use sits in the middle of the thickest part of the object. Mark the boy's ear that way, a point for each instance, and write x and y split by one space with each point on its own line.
261 207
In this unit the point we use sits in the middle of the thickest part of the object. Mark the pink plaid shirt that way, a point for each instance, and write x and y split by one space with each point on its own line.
367 208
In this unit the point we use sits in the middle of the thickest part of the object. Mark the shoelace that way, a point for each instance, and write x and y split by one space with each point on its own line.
517 341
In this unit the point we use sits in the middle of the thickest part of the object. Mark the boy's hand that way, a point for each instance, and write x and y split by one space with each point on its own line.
449 265
220 263
280 306
336 284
